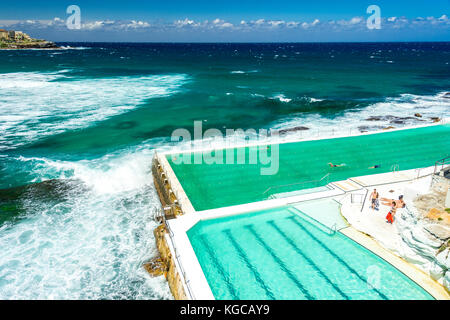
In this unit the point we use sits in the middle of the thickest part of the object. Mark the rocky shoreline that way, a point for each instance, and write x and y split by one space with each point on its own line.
32 45
11 39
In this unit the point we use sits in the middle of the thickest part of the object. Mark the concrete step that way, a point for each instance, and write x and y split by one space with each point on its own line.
347 185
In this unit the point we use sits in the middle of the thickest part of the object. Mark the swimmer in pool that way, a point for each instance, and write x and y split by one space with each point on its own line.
375 166
336 165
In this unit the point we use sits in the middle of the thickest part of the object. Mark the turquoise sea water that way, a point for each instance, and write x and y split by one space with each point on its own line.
276 254
78 129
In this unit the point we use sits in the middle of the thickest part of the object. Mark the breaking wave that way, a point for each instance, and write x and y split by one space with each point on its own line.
92 243
33 105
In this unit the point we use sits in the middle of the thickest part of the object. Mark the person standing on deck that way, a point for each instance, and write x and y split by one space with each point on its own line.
374 197
391 214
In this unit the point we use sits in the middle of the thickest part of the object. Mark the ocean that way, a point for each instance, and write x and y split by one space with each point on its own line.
79 126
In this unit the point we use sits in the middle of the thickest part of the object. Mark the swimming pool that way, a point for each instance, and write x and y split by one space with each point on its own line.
277 254
211 186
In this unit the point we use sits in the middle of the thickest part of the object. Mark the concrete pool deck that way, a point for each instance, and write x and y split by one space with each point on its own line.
189 268
369 227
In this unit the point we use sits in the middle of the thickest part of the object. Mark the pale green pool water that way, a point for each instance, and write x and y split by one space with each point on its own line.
211 186
275 254
326 212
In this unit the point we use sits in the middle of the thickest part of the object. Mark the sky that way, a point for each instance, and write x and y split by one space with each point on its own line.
230 21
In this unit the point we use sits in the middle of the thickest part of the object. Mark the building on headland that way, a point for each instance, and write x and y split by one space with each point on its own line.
4 34
13 35
12 39
21 36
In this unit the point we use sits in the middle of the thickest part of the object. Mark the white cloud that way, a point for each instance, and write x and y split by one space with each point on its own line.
222 23
292 24
355 20
185 22
261 25
92 25
259 21
138 24
276 23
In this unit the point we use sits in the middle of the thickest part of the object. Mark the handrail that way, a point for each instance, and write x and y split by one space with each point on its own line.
297 183
364 202
177 255
441 162
341 200
395 167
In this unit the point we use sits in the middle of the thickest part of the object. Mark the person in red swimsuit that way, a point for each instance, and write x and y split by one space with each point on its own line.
391 214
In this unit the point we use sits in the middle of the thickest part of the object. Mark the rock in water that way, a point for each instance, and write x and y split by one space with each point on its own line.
435 119
300 128
155 267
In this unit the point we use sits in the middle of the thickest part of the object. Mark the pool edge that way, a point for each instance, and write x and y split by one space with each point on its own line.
423 280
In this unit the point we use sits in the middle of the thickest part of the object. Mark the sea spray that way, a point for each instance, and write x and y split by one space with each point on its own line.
92 244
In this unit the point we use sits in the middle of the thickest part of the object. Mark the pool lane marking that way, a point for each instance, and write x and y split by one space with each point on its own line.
244 257
311 262
218 266
291 276
362 278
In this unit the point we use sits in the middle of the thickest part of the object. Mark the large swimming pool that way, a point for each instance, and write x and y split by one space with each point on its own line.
278 254
211 186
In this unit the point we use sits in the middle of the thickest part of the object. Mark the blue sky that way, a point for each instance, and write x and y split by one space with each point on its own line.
232 20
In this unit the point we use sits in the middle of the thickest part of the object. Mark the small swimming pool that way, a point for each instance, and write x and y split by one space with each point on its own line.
278 254
325 213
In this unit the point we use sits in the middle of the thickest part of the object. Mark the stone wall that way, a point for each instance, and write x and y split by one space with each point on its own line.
170 271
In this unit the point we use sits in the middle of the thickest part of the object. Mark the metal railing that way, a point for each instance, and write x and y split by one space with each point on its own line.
365 198
317 182
353 197
177 258
441 163
395 168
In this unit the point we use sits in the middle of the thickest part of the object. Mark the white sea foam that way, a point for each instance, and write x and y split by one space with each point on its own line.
355 120
282 98
74 48
243 72
33 105
92 245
